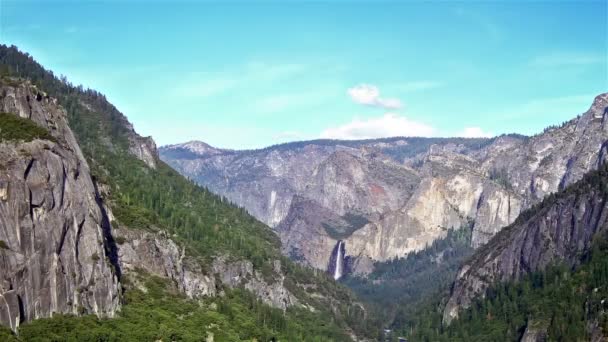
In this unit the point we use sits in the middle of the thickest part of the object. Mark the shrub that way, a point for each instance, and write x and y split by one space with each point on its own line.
15 128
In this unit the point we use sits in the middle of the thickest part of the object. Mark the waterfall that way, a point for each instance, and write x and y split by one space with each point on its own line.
339 260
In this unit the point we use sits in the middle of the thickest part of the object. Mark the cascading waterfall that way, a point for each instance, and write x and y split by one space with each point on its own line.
339 260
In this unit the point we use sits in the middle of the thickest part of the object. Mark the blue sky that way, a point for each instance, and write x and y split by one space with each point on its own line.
252 74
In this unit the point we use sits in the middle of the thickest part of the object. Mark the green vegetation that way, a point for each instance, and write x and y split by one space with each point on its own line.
3 244
398 287
6 335
161 314
561 299
15 128
350 223
501 176
204 223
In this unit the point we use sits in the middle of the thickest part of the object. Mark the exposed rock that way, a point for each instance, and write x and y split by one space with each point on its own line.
55 256
561 231
144 148
159 255
241 273
535 332
410 191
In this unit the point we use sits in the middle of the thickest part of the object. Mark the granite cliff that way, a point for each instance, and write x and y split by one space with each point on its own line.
88 210
56 255
388 197
561 229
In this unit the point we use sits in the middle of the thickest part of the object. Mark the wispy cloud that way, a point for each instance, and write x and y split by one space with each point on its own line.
205 84
388 125
560 59
369 95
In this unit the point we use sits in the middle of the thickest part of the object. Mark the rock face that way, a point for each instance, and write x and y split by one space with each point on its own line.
388 197
534 333
55 255
562 230
58 249
159 255
144 148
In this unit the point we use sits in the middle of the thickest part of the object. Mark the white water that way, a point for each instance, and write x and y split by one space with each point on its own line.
338 266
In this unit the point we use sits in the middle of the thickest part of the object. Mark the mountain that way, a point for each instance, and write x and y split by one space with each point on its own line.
543 278
101 240
386 198
54 232
560 229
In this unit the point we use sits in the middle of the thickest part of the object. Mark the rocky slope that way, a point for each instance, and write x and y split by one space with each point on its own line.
75 243
56 255
156 253
58 252
388 197
560 229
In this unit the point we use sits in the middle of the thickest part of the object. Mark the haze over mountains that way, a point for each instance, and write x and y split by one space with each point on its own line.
388 197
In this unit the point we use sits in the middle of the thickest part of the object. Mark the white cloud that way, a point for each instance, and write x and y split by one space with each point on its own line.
388 125
475 132
369 95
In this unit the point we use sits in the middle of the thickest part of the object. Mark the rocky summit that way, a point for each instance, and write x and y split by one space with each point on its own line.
388 197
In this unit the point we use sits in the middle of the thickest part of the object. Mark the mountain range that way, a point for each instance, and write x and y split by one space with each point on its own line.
105 237
386 198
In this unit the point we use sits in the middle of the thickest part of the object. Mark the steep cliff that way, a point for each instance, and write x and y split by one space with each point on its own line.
71 242
55 256
409 190
560 229
159 255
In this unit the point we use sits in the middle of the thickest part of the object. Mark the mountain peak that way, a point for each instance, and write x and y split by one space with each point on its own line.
197 147
600 103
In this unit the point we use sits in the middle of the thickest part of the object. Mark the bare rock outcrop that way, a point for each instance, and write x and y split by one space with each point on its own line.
54 251
158 254
411 190
561 231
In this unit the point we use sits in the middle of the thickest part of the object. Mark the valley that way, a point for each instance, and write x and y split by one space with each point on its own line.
387 198
370 172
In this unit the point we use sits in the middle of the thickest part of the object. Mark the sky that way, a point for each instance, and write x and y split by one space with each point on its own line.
252 74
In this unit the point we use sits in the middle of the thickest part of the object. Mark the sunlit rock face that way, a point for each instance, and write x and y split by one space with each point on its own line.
56 254
386 198
560 232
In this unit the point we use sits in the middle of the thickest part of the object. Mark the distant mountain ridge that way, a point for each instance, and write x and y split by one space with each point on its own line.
451 181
